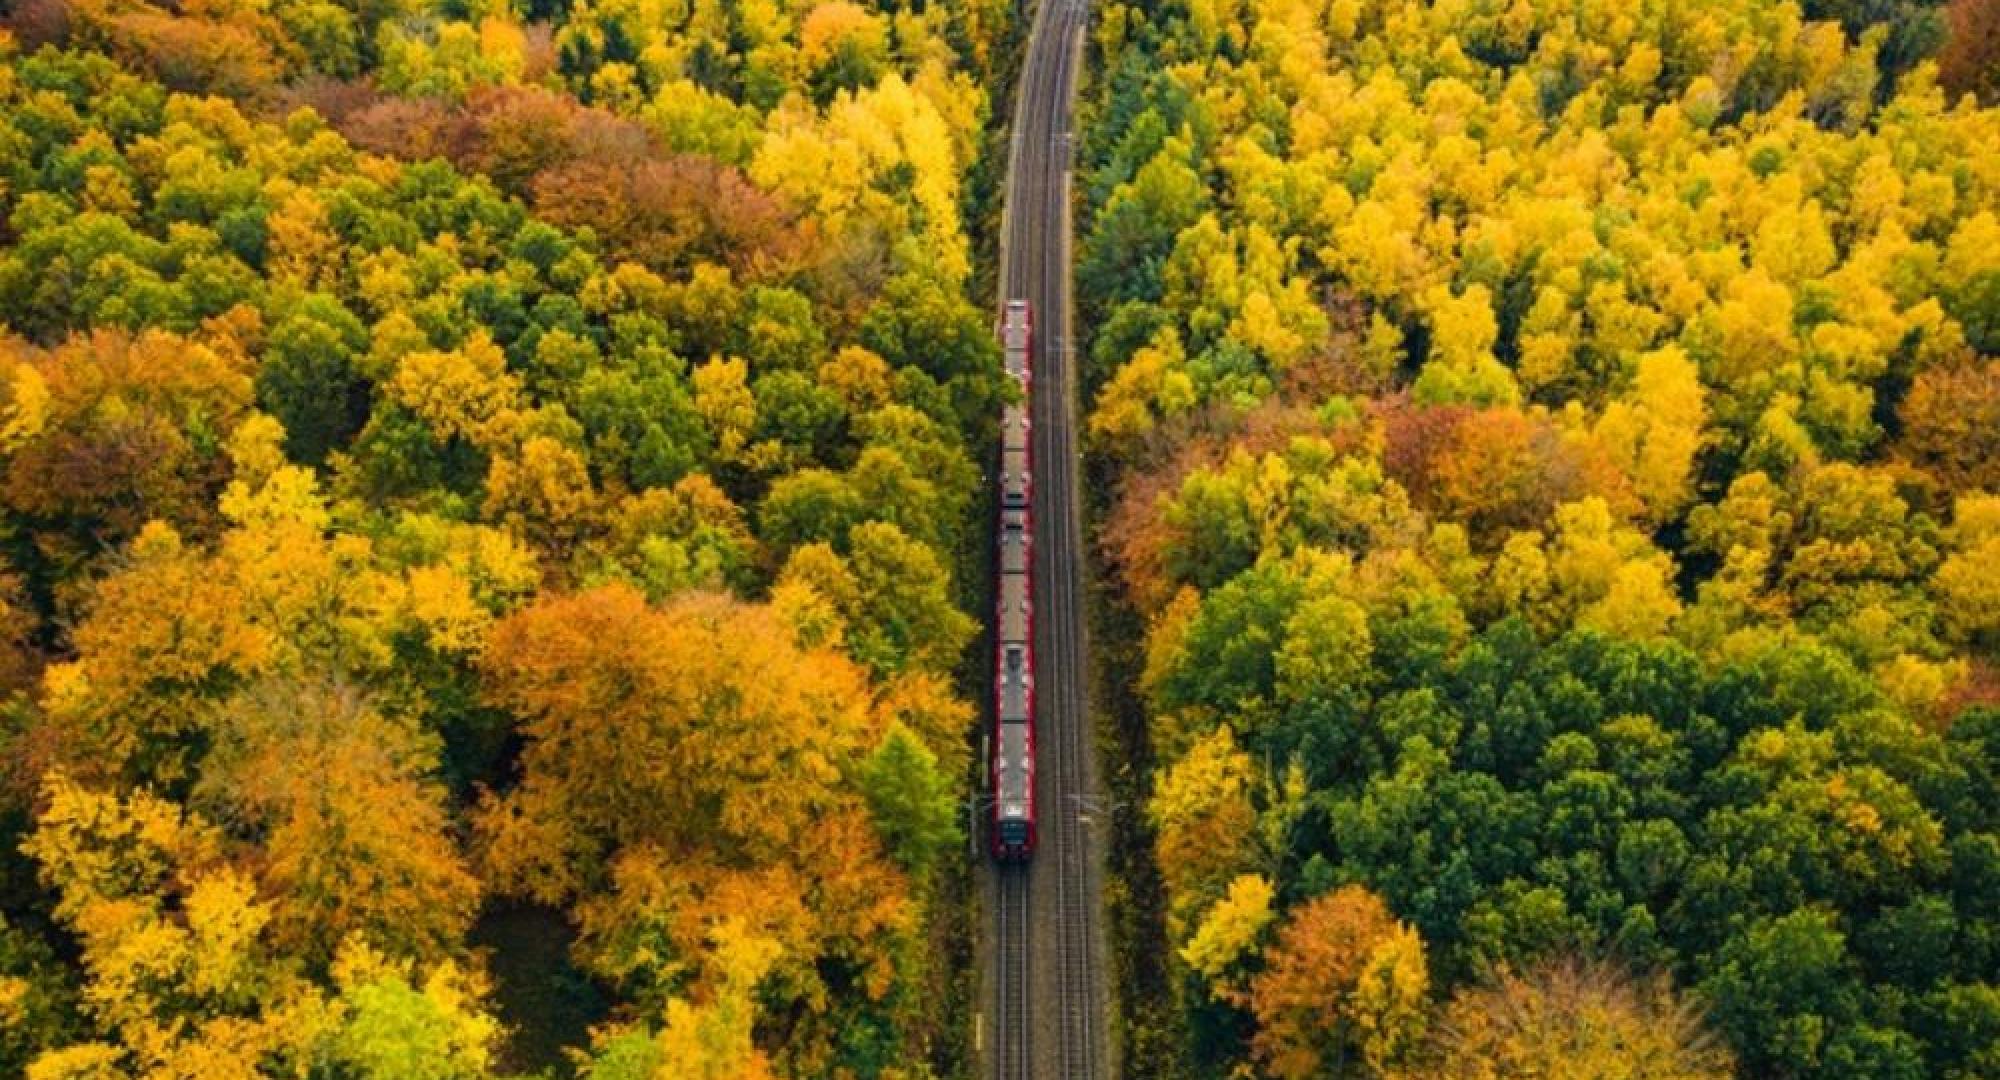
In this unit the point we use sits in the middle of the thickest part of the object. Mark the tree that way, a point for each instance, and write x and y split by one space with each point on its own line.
201 55
352 837
503 345
1153 384
1342 977
1462 367
462 394
542 491
125 432
633 715
308 379
1570 1018
1651 592
893 595
669 540
1970 61
1135 229
1967 583
683 766
1611 577
810 506
398 1023
668 212
906 617
911 800
922 322
1655 432
705 1041
20 659
134 702
184 979
1782 989
1204 823
40 995
1502 468
447 58
1230 931
1949 418
843 47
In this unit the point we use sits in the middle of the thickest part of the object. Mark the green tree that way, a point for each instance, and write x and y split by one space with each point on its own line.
1784 990
911 800
309 380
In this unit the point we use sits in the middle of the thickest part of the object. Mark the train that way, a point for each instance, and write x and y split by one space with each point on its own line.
1012 829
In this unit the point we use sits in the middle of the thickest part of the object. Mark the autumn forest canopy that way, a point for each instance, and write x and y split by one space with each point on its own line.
494 526
1556 452
481 465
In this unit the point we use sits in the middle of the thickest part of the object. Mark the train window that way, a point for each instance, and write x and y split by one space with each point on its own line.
1013 833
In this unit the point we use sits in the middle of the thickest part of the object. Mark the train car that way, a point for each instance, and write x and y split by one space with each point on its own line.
1017 474
1013 780
1013 834
1017 335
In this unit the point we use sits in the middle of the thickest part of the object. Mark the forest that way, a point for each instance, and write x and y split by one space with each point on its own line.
1556 523
487 503
494 534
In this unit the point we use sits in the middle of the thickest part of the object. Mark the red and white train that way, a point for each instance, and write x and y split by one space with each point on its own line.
1013 780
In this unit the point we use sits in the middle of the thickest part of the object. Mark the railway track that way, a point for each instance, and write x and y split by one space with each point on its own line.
1013 1049
1050 908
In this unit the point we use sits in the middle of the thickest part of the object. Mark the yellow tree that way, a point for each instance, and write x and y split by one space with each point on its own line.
1967 583
635 715
707 1039
1565 1018
184 977
1605 574
240 674
100 435
1343 978
542 491
1654 431
352 839
1205 824
1462 367
1152 385
465 393
1228 933
686 764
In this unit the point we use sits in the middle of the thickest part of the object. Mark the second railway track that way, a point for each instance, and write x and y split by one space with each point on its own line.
1013 1046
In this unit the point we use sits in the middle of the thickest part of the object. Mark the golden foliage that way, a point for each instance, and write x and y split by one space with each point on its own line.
695 758
1570 1020
1205 824
1343 976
